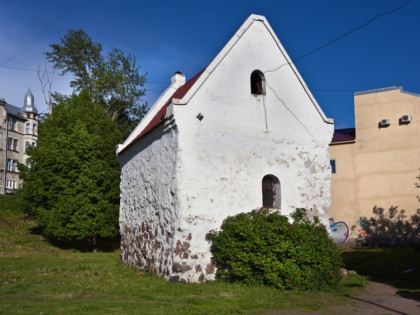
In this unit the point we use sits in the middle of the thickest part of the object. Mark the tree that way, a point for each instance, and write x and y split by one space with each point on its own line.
46 80
112 80
79 55
117 88
71 182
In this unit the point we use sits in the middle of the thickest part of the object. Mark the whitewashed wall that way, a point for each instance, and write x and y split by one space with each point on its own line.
181 185
148 208
224 157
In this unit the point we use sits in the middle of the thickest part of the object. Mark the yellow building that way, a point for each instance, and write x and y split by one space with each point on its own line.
378 162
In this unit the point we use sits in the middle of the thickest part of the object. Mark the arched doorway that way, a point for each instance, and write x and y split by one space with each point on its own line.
271 193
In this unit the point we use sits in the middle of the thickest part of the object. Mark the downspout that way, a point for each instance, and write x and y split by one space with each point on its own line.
5 156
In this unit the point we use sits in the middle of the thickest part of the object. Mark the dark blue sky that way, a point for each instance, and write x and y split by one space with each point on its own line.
166 36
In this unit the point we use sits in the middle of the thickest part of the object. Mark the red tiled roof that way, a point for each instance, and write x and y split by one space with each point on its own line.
186 87
159 117
340 135
161 114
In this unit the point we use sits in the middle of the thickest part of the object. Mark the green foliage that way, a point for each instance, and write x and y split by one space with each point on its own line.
37 277
11 203
418 186
71 184
112 80
79 55
390 228
117 88
262 247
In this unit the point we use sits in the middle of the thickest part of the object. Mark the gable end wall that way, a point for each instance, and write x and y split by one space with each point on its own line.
220 159
241 138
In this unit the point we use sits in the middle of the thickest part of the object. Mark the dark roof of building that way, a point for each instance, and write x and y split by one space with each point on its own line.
29 103
160 116
344 135
14 111
391 88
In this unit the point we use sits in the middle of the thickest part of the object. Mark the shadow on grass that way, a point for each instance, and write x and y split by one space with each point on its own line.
390 249
399 267
376 304
12 206
102 245
409 295
354 285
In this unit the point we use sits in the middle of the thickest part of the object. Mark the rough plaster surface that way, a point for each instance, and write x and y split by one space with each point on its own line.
218 163
148 212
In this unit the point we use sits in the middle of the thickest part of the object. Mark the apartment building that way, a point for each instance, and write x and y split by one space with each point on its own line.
377 162
18 132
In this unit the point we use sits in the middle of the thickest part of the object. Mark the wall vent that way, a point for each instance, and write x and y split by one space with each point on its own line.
406 118
385 122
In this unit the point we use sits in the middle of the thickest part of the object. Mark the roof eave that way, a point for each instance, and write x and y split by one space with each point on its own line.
157 106
343 142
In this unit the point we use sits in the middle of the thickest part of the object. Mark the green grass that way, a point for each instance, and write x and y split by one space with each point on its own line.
39 278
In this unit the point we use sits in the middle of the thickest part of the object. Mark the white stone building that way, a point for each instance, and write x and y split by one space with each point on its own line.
243 133
18 132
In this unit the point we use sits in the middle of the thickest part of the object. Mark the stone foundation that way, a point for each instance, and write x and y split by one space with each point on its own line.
152 250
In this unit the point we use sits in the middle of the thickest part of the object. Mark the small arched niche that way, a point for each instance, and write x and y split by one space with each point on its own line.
271 193
257 83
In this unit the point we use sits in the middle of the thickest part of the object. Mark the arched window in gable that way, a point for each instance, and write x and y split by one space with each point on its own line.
257 83
271 192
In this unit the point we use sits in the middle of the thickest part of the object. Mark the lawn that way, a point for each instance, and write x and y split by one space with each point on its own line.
39 278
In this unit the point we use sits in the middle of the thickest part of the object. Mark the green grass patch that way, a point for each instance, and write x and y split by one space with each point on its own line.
10 204
37 277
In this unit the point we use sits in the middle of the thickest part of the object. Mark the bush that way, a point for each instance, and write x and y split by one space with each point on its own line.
262 247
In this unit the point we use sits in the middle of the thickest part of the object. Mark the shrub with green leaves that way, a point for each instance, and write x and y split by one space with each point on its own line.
71 183
263 247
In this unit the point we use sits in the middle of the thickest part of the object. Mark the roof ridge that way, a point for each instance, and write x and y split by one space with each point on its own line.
231 43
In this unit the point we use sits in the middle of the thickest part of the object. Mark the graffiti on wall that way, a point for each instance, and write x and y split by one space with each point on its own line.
363 225
339 231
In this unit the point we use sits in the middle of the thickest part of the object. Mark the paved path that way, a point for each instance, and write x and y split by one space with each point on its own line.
377 298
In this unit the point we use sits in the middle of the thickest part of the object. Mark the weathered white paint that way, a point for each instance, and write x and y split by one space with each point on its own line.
148 212
222 159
